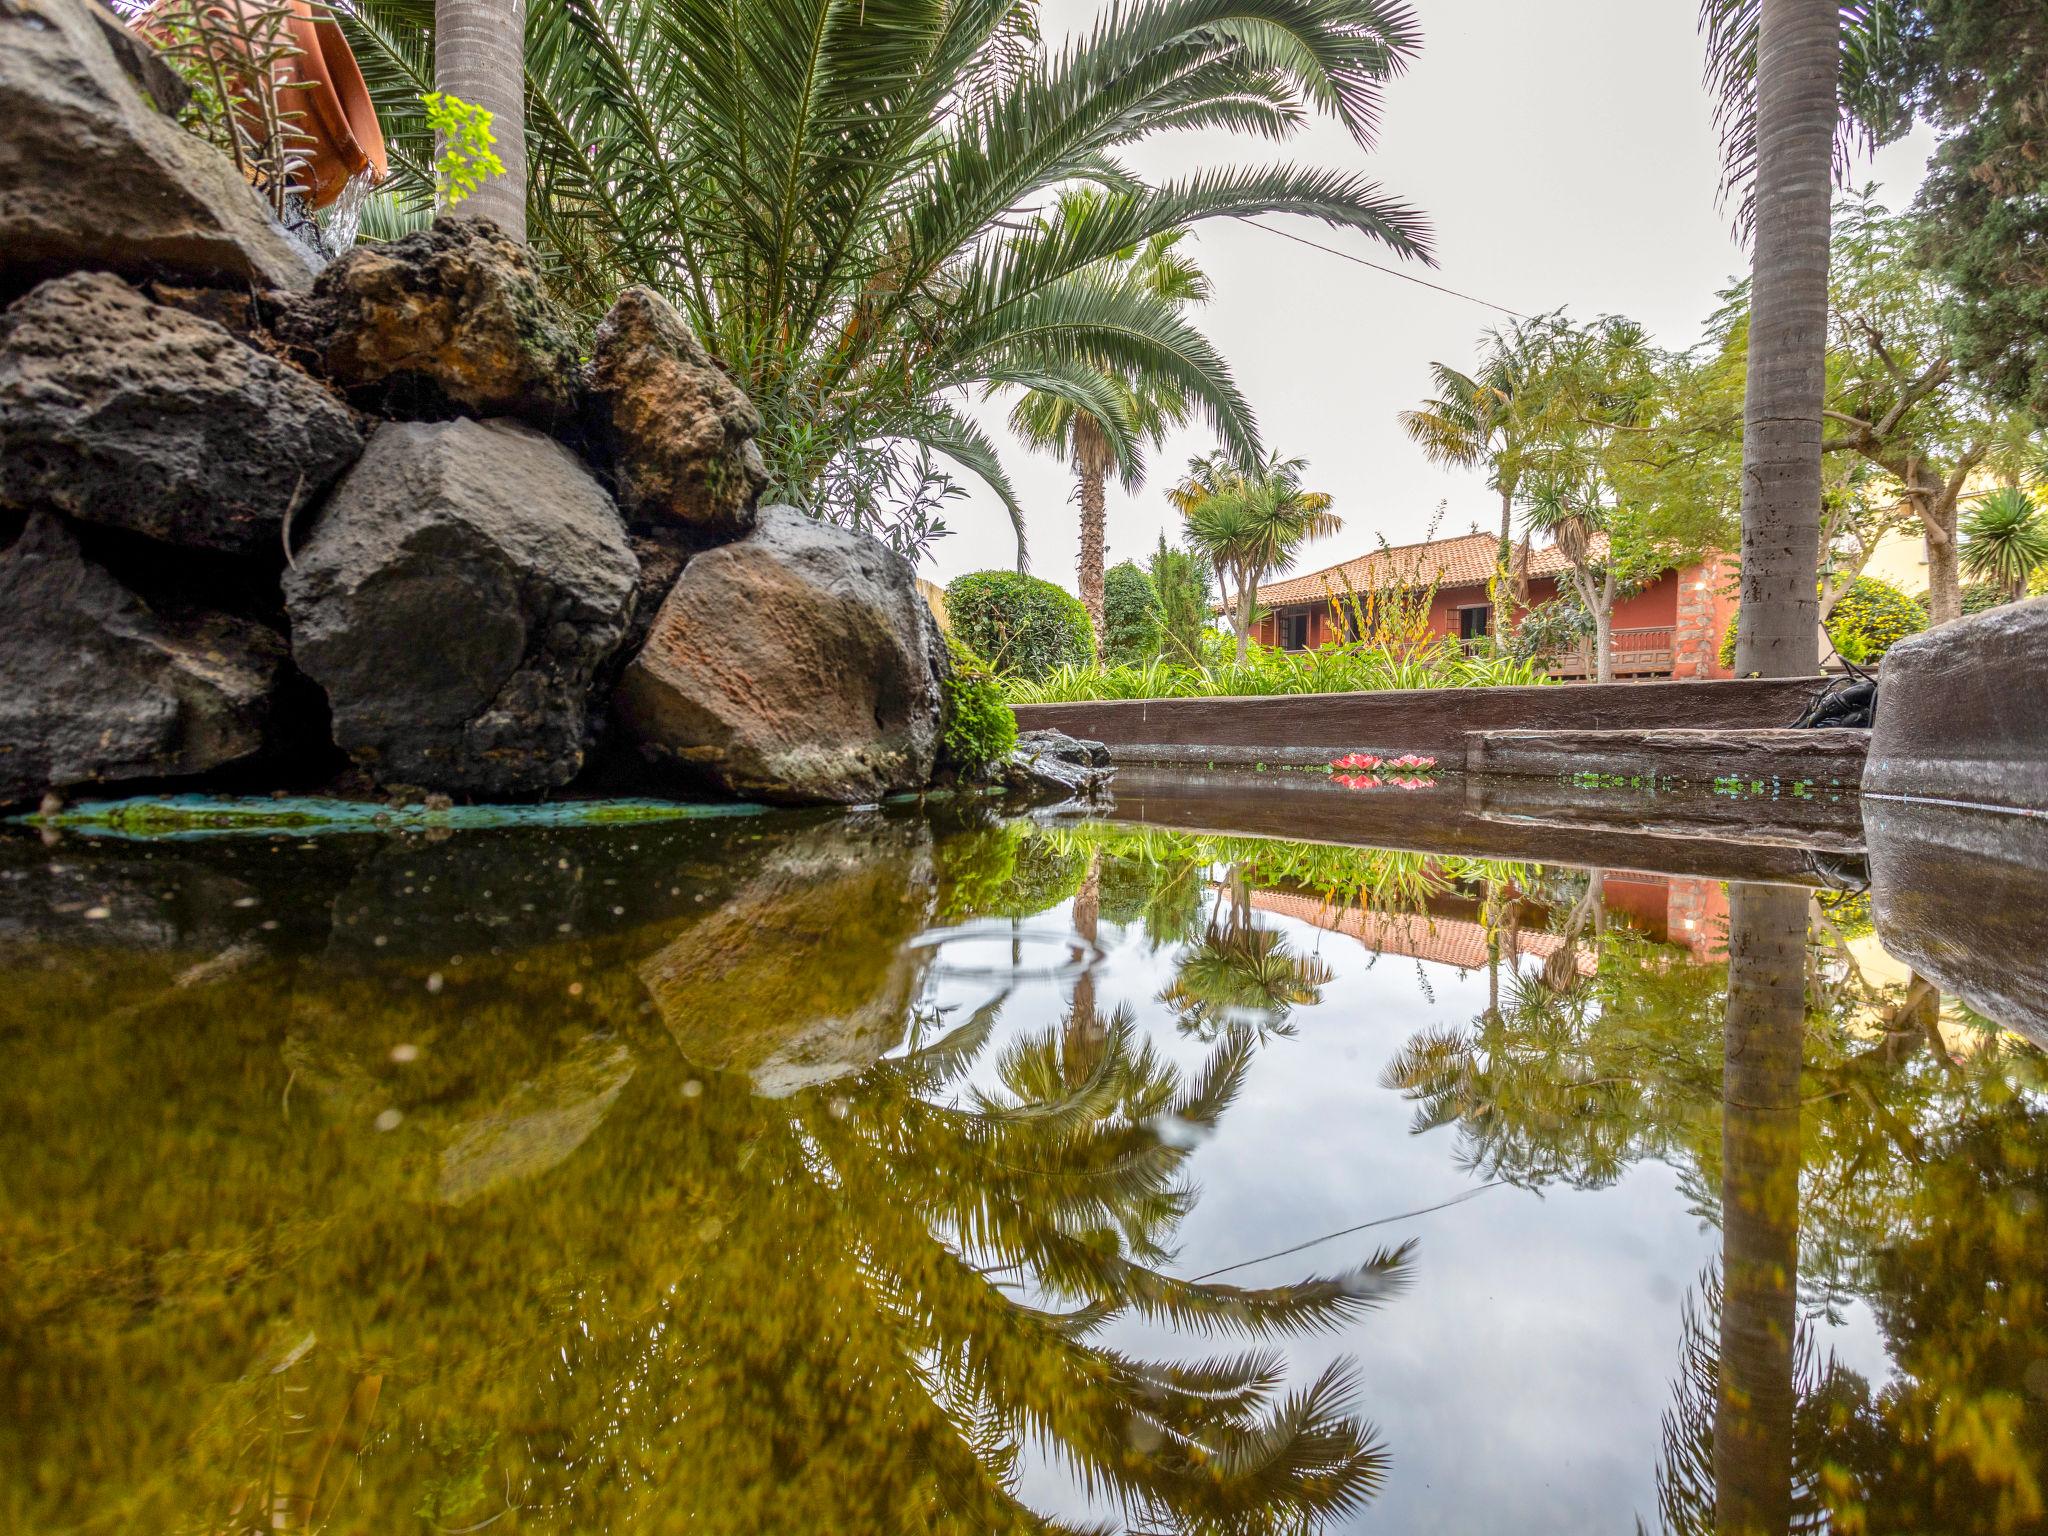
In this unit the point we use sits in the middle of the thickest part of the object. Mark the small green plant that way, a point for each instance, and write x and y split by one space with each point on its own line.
980 727
1022 626
466 159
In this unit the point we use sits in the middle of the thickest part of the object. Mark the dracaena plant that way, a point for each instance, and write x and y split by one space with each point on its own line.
842 195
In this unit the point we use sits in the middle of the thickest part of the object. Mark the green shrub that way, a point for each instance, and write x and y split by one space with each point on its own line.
978 724
1874 614
1728 639
1023 626
1355 668
1130 615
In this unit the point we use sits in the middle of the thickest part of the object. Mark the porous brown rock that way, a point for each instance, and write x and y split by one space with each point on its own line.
98 688
795 665
446 321
119 411
676 432
456 599
94 175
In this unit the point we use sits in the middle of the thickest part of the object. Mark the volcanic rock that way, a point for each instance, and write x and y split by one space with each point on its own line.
798 664
447 321
96 688
677 433
94 175
118 411
455 600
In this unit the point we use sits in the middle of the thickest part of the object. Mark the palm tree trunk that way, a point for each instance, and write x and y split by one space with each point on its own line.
1603 643
1247 595
1093 501
1761 1047
480 56
1798 70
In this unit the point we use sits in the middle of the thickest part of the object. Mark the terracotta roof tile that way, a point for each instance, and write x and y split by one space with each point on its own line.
1460 562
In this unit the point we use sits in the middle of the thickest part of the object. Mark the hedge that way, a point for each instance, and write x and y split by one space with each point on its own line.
1023 626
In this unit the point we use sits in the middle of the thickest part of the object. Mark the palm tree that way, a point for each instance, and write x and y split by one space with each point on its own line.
1491 416
1152 404
1782 73
1248 524
2006 540
830 190
478 56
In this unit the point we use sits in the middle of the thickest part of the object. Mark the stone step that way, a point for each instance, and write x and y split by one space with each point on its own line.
1825 762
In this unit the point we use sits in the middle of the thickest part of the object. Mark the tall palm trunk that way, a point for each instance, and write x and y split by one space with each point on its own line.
480 56
1093 501
1761 1047
1798 70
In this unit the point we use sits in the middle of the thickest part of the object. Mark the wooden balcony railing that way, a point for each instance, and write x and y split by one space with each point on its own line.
1642 652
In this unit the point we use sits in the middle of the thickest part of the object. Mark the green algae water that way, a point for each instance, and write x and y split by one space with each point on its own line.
894 1172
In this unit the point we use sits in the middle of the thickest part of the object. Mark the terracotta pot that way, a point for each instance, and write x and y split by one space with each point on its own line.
328 92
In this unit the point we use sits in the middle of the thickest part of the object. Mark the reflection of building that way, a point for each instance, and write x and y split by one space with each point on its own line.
1688 913
1670 628
1455 941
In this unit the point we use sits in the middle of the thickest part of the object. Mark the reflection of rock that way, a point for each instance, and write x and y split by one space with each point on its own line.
446 320
93 175
1958 895
679 434
455 601
805 975
115 410
96 688
797 664
538 1124
1960 715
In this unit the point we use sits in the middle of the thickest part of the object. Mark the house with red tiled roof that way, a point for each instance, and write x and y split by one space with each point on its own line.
1671 627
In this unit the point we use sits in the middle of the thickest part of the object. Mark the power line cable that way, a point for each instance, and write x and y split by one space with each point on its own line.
1406 277
1346 1232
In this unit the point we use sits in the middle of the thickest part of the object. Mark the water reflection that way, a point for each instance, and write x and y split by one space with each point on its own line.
835 1174
564 1182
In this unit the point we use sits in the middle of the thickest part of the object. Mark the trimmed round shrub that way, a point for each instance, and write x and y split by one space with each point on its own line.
1130 615
978 725
1877 614
1020 624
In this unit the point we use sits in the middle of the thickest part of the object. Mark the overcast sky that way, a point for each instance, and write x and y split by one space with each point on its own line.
1563 152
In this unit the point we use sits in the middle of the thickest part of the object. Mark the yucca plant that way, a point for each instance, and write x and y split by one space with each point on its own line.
841 194
2005 540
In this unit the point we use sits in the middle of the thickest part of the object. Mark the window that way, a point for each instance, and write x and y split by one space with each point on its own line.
1472 622
1293 631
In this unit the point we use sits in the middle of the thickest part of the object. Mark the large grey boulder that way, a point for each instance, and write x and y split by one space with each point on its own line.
1960 714
115 410
451 320
677 433
92 174
455 599
96 688
798 664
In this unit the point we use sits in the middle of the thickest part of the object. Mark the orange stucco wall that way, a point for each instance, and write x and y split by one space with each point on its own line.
1695 604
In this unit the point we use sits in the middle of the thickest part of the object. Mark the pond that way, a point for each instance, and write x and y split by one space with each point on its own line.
897 1171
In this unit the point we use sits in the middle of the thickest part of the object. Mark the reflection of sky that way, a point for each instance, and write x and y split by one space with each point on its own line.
1519 1382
